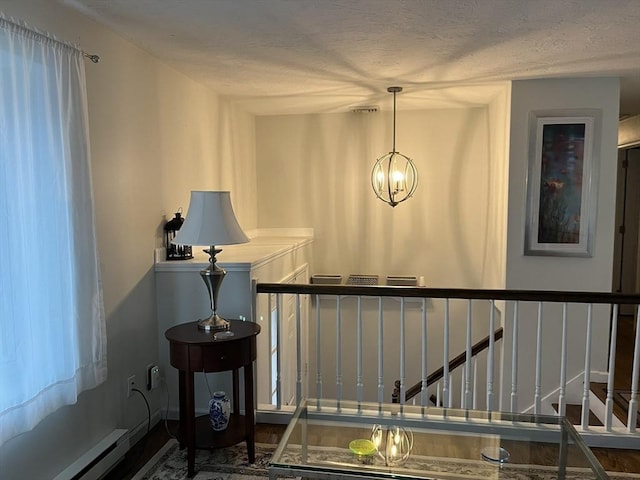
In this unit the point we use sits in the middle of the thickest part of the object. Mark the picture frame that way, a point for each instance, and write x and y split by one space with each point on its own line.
561 182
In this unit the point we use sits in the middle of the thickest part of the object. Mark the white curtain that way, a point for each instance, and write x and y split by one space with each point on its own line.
52 326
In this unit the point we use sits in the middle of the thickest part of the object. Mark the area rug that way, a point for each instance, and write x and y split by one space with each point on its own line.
170 463
230 463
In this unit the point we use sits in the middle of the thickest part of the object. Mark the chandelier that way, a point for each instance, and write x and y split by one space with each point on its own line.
394 177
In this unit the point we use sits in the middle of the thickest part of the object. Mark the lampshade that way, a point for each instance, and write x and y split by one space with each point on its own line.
210 221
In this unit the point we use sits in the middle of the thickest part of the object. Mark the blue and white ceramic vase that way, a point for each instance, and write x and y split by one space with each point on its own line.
219 411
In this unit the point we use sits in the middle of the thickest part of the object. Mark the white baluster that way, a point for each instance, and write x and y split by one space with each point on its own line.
584 422
318 353
380 354
633 402
463 376
298 351
359 384
490 356
445 362
423 387
270 333
608 419
402 351
339 350
438 398
475 382
467 383
279 350
562 400
514 361
538 387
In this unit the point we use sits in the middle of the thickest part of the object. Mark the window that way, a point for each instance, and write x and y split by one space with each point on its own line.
52 326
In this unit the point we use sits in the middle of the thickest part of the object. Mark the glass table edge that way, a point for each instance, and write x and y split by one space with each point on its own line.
445 413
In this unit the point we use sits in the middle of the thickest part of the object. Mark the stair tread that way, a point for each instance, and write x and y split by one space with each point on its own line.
620 408
574 415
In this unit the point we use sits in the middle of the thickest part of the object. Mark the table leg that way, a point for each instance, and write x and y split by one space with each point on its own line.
190 414
236 392
249 406
182 406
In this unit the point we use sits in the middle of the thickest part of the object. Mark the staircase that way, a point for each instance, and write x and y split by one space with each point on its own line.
622 383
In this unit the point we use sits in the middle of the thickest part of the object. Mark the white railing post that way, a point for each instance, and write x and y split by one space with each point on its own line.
562 400
402 398
492 341
608 419
633 401
380 353
278 350
463 394
514 361
446 399
423 388
538 386
318 352
475 383
298 352
584 421
338 350
468 399
359 384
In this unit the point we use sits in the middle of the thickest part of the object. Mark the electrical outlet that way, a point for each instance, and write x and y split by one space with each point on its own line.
131 384
153 376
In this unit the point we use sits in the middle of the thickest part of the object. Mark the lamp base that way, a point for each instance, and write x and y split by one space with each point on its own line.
213 322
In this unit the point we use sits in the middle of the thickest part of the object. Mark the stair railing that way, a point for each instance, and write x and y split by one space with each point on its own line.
556 341
436 376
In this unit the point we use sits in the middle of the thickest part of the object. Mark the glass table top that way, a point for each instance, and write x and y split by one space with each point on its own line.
330 439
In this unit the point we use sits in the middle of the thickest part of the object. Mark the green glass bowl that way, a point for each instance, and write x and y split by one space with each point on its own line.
363 448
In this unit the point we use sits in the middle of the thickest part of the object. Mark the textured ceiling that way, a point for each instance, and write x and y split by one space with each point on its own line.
301 56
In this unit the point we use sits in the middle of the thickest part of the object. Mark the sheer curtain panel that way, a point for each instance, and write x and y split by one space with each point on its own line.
52 326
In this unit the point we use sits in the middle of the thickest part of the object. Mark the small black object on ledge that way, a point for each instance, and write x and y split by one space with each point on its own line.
176 252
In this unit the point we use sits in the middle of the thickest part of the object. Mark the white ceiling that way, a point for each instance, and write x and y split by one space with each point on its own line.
302 56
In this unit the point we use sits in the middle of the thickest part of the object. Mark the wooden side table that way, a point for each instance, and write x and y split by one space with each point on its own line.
192 350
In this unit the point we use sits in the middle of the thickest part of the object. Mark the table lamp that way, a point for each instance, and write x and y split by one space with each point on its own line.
210 221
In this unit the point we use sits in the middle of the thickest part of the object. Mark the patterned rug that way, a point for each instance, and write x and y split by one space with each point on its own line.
230 463
170 463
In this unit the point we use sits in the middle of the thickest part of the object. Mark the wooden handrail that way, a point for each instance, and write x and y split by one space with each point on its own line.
439 374
452 293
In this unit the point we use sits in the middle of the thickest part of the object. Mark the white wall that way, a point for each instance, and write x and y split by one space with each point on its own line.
561 273
315 172
155 135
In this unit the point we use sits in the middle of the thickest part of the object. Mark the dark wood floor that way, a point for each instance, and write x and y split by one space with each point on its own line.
614 460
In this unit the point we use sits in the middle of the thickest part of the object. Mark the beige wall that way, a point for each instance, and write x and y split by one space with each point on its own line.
315 172
155 135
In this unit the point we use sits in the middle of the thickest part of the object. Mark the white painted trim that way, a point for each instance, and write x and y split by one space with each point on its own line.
117 441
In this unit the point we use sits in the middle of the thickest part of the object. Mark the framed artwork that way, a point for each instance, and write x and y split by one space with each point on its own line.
561 197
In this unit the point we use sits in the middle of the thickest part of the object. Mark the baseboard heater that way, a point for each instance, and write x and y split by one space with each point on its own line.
100 459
